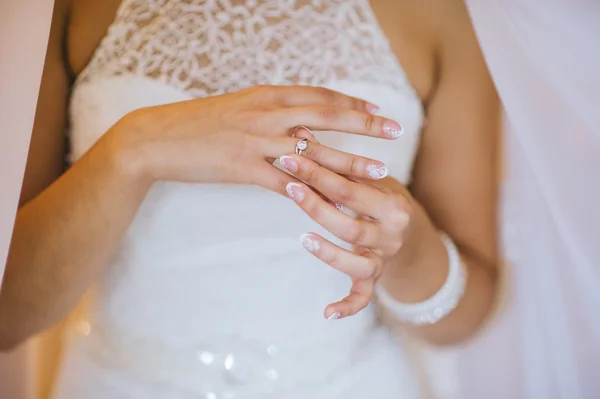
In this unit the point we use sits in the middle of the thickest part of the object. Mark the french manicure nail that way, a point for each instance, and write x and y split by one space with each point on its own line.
334 316
372 108
392 129
295 191
338 206
289 163
309 243
376 171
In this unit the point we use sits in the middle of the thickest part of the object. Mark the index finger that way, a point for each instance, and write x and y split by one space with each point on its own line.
299 96
359 197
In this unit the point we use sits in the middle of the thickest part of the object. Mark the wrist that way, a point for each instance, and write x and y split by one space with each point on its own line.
421 268
126 155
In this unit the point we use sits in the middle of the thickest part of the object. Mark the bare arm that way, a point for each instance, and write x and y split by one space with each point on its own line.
66 230
69 225
455 183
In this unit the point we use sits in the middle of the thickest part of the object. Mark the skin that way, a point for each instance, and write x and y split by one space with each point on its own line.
454 186
51 264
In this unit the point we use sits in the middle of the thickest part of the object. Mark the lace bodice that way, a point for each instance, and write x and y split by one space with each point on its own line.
217 46
209 273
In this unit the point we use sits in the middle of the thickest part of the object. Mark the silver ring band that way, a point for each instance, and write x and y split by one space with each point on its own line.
301 145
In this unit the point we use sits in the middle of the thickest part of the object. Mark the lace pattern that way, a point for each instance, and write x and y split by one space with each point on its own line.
209 47
174 315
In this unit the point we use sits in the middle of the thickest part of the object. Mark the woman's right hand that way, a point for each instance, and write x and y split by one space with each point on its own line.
234 138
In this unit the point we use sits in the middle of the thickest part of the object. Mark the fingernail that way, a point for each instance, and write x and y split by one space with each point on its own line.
338 206
295 191
392 129
377 171
334 316
309 243
289 163
372 108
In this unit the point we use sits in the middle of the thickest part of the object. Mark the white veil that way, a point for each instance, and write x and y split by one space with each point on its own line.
544 56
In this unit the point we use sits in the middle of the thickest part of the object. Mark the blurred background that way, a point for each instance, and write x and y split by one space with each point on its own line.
26 372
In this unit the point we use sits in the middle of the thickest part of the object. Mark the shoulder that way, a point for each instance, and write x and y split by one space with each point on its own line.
454 43
428 18
428 36
453 33
444 16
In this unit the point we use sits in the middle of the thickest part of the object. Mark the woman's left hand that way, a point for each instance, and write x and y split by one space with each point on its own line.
378 233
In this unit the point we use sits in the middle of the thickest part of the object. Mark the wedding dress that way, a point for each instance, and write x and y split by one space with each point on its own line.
211 294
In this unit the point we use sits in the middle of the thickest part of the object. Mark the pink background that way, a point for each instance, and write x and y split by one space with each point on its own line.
24 27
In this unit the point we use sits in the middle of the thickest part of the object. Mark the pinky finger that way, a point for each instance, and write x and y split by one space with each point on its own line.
359 298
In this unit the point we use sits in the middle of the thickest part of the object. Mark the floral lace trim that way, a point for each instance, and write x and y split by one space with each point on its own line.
208 47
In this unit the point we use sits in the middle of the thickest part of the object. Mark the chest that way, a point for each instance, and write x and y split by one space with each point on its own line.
255 34
209 48
160 52
154 55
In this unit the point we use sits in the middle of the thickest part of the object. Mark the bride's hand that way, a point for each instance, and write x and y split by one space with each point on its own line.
234 138
379 233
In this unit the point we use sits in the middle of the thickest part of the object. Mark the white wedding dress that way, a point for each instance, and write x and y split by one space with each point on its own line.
211 294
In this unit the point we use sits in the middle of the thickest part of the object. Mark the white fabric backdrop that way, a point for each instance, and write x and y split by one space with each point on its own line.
544 56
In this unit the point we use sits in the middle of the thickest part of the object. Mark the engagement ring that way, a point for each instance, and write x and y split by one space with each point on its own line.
301 146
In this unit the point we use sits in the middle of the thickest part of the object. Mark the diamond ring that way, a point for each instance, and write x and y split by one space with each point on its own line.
301 146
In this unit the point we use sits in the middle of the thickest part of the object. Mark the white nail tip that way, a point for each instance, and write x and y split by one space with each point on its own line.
334 316
309 243
392 131
290 191
377 172
283 158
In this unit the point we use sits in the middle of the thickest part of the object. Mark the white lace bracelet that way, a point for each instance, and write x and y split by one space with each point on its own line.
438 306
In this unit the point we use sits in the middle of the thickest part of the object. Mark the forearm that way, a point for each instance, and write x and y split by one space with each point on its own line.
420 272
62 239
